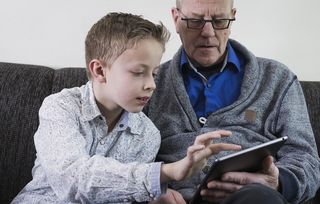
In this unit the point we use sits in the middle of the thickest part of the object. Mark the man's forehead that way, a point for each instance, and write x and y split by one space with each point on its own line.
206 2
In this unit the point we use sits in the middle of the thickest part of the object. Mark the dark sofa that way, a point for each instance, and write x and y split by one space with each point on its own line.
22 90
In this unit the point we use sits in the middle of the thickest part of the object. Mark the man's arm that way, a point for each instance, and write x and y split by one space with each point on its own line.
295 173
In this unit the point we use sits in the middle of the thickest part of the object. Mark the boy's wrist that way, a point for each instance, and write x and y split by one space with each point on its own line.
169 172
173 171
166 173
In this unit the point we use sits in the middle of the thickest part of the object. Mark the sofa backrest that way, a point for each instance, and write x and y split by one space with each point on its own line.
311 92
22 90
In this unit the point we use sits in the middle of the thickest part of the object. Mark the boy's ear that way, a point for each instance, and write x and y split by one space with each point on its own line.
97 70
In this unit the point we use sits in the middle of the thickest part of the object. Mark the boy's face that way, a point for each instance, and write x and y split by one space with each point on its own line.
129 80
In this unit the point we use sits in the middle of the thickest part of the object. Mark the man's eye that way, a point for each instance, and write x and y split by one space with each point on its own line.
196 21
219 22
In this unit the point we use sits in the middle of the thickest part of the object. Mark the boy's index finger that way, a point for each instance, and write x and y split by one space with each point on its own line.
216 148
201 139
224 133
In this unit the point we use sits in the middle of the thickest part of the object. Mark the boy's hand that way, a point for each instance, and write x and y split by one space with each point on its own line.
197 156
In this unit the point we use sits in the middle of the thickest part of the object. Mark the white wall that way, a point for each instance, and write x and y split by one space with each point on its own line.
52 32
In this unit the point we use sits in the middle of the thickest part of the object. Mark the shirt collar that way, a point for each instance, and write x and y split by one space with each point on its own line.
89 106
231 57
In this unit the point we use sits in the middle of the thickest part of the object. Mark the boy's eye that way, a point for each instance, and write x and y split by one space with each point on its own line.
137 73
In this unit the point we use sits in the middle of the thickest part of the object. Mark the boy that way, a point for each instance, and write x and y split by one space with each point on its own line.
94 145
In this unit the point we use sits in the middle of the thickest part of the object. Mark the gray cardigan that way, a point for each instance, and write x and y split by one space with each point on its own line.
271 105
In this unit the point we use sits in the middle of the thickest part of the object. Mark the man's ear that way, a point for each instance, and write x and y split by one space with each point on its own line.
175 17
97 71
234 11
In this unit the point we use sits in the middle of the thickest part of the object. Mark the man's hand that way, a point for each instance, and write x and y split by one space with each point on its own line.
233 181
171 197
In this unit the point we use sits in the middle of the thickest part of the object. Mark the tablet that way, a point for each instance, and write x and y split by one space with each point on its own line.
248 160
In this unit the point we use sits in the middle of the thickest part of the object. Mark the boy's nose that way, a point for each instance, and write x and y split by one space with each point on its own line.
150 84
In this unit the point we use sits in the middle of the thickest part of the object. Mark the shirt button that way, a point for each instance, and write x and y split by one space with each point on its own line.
121 125
209 85
151 195
206 169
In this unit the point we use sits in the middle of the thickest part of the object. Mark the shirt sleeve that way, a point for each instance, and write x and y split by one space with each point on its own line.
74 175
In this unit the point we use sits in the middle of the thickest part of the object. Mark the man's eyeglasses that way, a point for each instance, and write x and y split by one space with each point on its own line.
218 24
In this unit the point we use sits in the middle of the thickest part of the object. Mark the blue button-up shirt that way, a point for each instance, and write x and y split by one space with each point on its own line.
217 91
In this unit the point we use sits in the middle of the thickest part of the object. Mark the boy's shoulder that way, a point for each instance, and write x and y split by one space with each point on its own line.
66 94
69 99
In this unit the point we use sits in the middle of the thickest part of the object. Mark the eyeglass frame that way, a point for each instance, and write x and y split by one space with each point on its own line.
203 21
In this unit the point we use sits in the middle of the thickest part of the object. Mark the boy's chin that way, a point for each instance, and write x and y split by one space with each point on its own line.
134 110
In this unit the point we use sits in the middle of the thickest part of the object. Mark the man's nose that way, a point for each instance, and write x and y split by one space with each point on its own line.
208 30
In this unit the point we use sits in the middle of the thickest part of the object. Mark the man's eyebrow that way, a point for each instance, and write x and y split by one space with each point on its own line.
195 15
201 16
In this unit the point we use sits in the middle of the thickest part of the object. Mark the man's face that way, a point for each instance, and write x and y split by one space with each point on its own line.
204 46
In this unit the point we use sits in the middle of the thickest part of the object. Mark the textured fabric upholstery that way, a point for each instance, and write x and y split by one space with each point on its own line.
22 90
312 94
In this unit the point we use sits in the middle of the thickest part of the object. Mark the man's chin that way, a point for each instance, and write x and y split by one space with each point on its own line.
207 62
207 59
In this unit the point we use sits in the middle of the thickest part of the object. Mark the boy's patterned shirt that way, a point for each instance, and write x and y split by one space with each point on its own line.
79 162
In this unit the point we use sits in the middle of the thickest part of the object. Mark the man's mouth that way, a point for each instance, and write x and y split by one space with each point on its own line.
207 46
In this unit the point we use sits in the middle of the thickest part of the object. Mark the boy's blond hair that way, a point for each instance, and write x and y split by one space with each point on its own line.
116 32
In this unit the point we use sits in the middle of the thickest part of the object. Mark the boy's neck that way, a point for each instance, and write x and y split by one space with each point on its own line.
112 119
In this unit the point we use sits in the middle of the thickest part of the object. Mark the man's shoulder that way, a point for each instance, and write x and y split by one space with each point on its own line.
164 67
267 66
274 68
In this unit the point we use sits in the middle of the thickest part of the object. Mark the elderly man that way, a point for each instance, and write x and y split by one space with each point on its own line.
214 82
